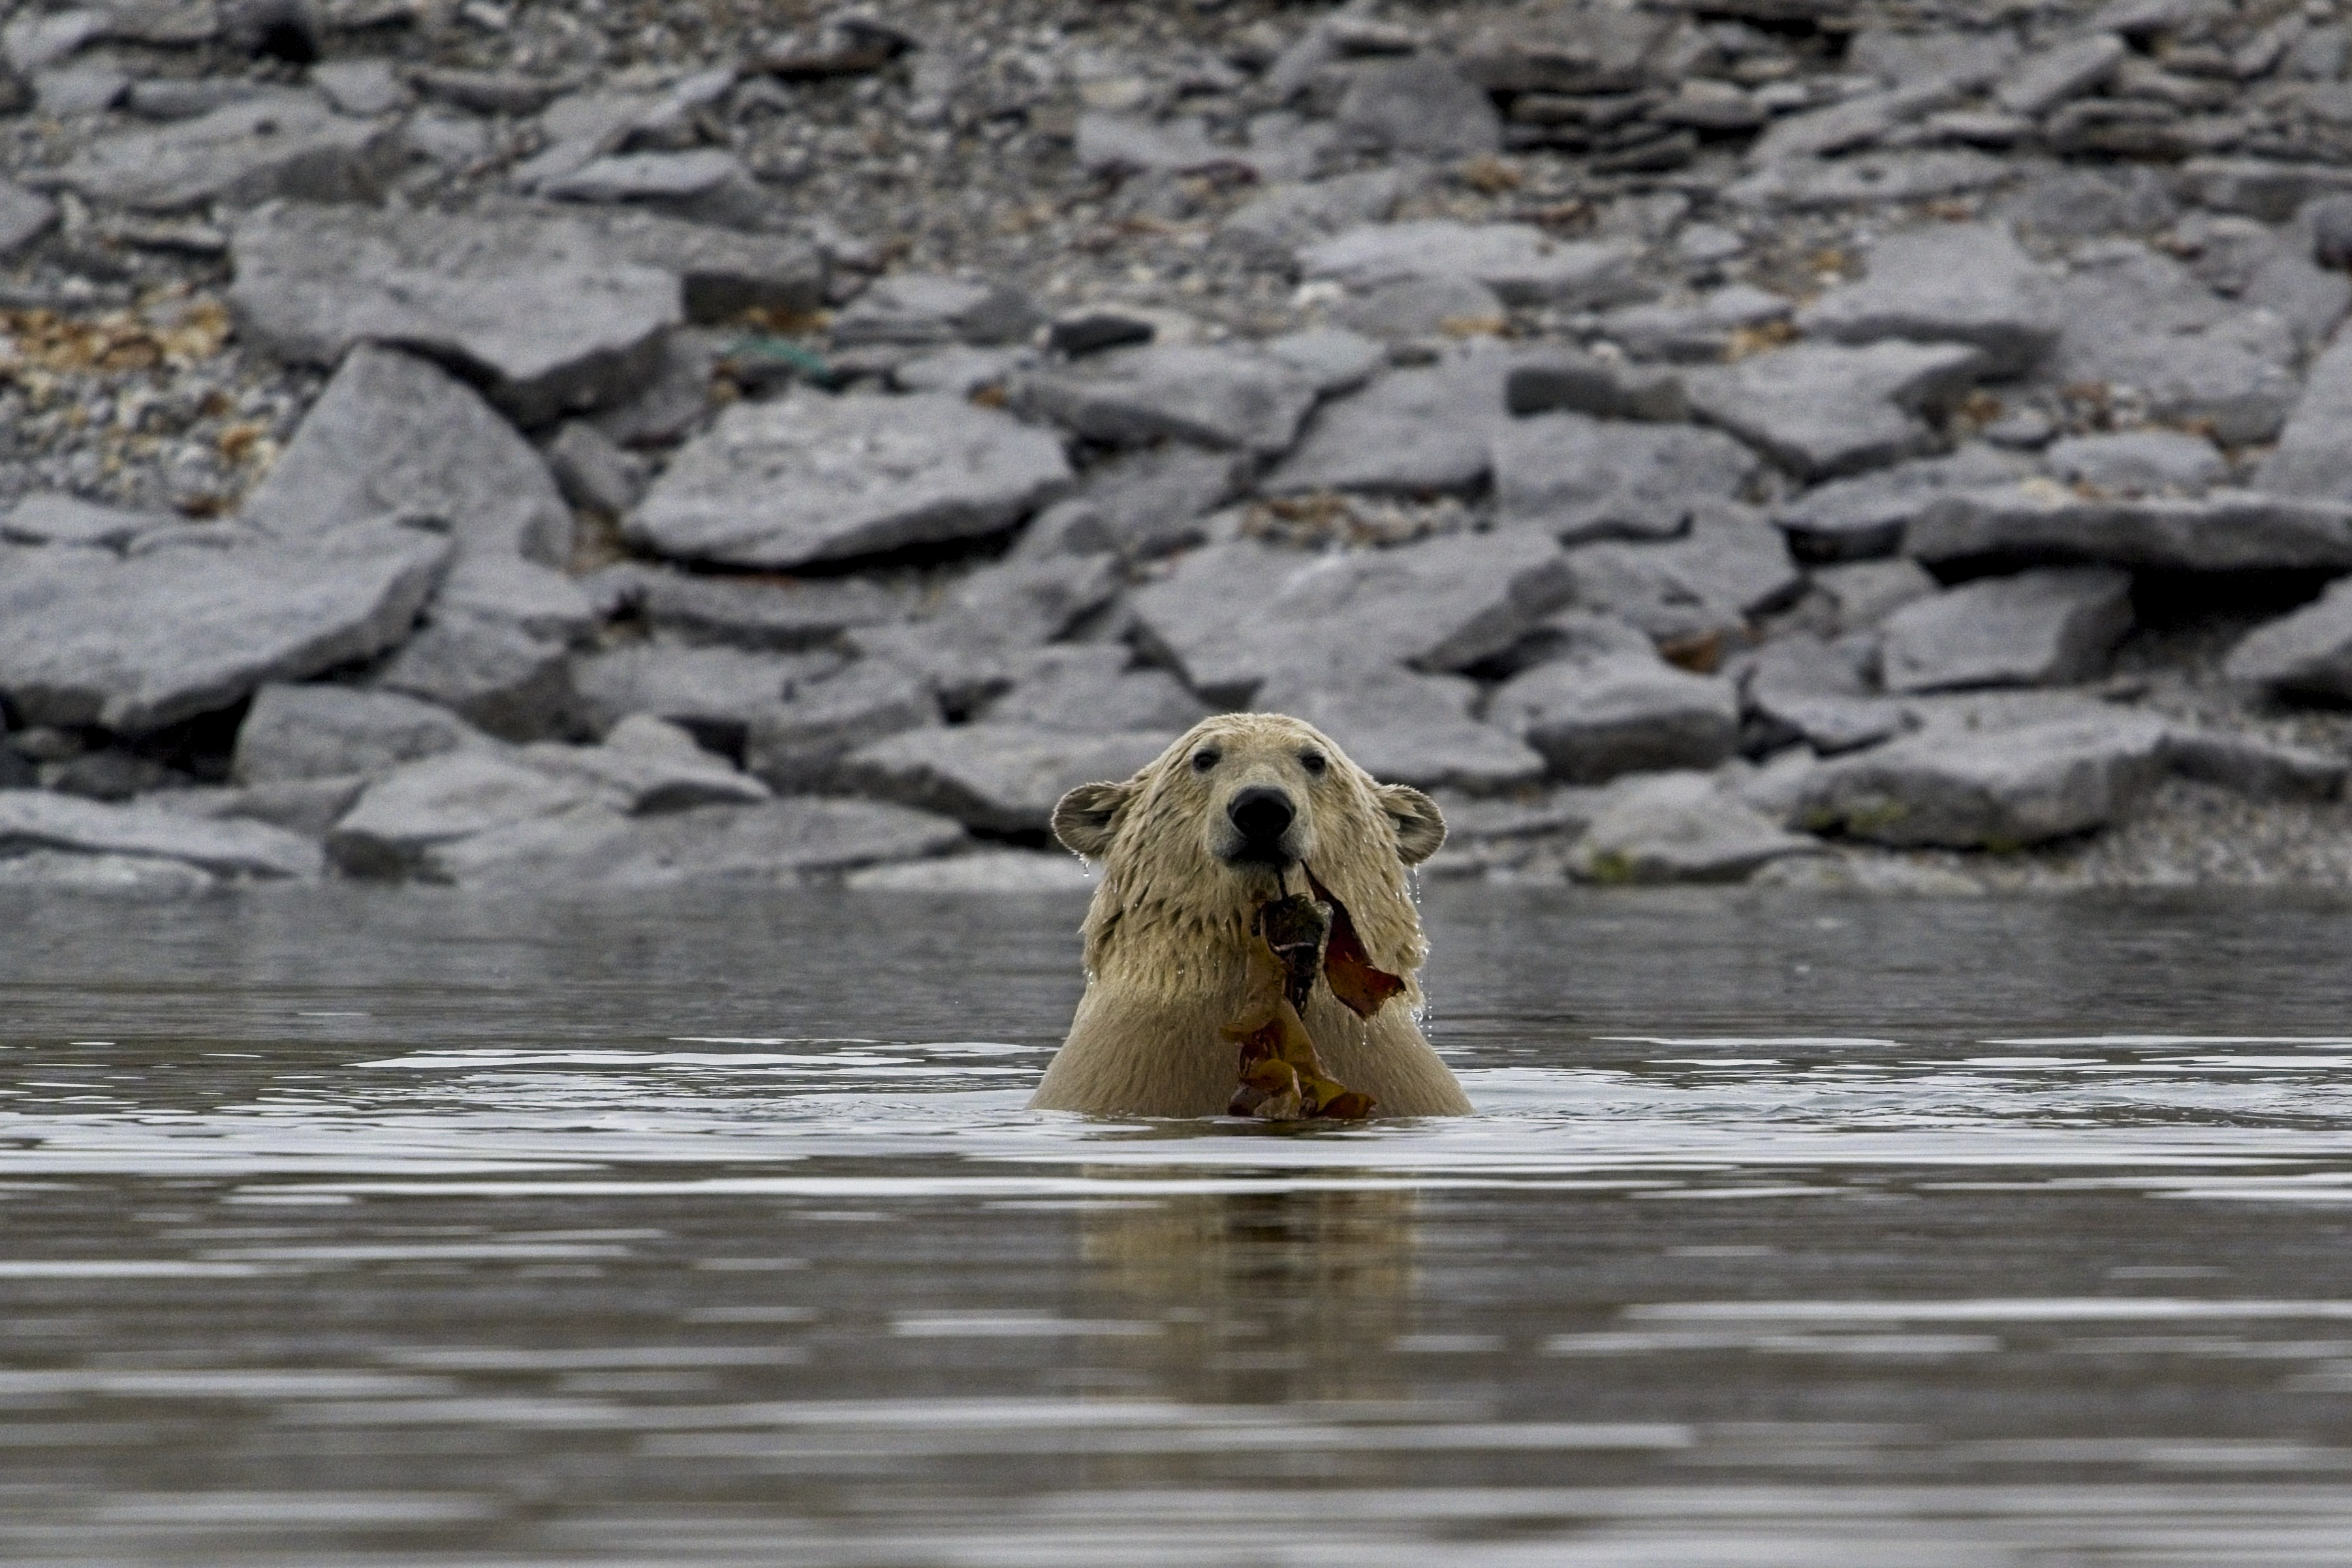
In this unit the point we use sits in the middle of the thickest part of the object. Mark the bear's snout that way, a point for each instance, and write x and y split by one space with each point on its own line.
1262 815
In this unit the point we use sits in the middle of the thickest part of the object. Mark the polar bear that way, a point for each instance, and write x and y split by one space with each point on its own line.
1191 848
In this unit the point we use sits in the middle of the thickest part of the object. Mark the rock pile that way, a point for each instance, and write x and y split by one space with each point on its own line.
1819 441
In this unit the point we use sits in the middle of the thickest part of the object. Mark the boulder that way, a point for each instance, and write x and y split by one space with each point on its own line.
1518 261
1679 828
1580 383
712 691
2253 766
2222 530
811 478
1580 479
1140 503
1269 227
440 799
281 144
53 517
1729 567
135 645
493 673
1865 517
1229 616
783 841
998 778
2306 654
1424 310
1864 592
2140 462
537 310
39 819
2314 455
24 217
1218 397
1820 410
2053 627
1418 432
797 743
538 601
923 308
1966 283
1420 104
1569 46
396 434
991 622
784 614
293 733
1406 728
987 873
2050 76
650 765
1617 711
1090 686
720 272
1876 179
1999 789
706 184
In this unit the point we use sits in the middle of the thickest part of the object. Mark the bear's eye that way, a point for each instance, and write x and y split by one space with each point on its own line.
1314 762
1204 759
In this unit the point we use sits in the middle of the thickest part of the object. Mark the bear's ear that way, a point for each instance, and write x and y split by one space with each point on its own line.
1420 825
1086 819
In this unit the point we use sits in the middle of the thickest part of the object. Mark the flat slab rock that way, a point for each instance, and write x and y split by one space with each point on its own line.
279 145
38 819
811 478
1234 615
1218 397
2221 530
1519 262
301 731
134 644
1617 711
539 310
2306 654
1966 283
396 434
1580 479
1680 827
2053 627
1403 726
2002 789
1418 432
1000 778
1820 410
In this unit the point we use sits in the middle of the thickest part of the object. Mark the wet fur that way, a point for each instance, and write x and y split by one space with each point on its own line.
1168 937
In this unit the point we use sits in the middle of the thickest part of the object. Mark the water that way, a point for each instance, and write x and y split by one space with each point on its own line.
344 1227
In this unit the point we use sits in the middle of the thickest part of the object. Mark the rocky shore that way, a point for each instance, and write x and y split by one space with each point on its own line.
1890 444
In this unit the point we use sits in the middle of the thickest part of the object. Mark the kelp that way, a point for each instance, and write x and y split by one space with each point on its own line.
1301 936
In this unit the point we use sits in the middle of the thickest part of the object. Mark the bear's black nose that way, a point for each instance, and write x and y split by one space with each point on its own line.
1263 814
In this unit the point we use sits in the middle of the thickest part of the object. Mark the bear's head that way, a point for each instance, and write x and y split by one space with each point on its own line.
1227 818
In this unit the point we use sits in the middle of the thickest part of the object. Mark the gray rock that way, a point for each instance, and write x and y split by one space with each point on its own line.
2269 189
1141 503
1865 517
307 806
1801 688
74 89
1413 431
2222 530
673 399
53 517
1864 592
493 673
650 765
991 621
797 745
2053 627
395 433
707 184
1729 567
135 645
2139 462
1899 58
1821 410
1680 827
364 88
1420 104
1231 616
283 145
2049 78
63 870
1090 686
24 217
2252 766
1579 479
506 589
593 470
961 371
1873 179
923 308
2141 322
1857 121
1270 228
991 873
1110 143
1617 711
1965 283
785 841
1518 261
1409 308
2314 456
539 309
1703 334
438 800
298 733
1565 378
714 692
1332 358
39 819
1406 728
2306 654
999 778
2000 790
810 478
752 613
2077 200
1218 397
1568 48
720 272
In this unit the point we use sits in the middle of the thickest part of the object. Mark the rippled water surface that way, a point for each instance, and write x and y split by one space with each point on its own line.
346 1227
